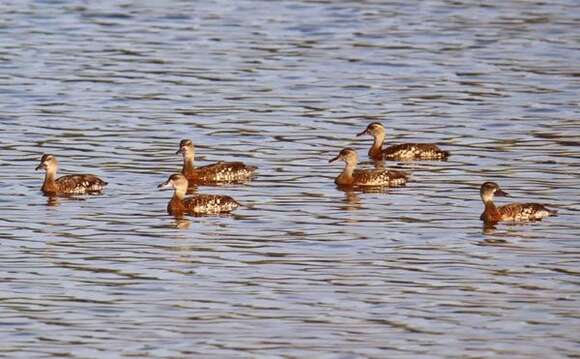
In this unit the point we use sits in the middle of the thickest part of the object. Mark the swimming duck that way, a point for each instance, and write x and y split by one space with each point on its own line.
404 151
199 204
217 173
71 184
377 177
515 212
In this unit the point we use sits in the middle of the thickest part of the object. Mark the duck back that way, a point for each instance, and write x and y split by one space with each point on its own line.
210 204
412 151
220 172
379 177
525 212
75 184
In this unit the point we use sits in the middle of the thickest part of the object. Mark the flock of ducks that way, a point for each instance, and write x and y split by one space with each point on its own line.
238 173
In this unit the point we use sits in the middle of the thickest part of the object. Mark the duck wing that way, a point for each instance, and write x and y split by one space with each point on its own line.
525 211
224 172
379 177
410 151
210 204
78 184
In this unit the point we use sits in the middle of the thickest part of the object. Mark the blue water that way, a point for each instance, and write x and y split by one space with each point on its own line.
303 269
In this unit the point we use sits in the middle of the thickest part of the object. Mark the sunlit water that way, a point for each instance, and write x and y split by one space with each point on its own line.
303 269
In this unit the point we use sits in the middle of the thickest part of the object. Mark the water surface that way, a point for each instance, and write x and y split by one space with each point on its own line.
304 269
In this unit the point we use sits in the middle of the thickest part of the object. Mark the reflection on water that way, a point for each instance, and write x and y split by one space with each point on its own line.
302 269
56 200
182 222
52 201
352 200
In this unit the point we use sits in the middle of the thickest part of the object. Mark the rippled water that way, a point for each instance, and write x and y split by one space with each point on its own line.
303 270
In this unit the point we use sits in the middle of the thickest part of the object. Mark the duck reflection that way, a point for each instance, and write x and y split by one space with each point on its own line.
56 200
181 222
507 232
489 228
351 200
52 201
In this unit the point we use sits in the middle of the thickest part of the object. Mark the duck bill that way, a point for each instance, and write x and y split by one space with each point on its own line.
40 167
165 185
180 151
334 159
366 131
501 193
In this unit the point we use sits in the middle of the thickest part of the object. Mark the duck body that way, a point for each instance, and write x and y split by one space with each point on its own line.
216 173
517 212
202 204
74 184
400 152
513 212
372 178
351 176
71 184
199 204
413 151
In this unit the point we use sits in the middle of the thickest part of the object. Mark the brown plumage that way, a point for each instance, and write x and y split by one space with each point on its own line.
71 184
199 204
405 151
361 178
217 173
513 212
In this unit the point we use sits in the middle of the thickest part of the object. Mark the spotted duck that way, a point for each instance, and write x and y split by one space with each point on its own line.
402 152
216 173
514 212
361 178
199 204
71 184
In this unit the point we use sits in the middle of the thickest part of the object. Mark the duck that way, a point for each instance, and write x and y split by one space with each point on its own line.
513 212
71 184
401 152
350 176
216 173
199 204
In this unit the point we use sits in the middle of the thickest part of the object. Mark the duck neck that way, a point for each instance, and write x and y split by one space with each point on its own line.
176 205
345 176
49 178
490 213
179 194
377 146
188 167
490 205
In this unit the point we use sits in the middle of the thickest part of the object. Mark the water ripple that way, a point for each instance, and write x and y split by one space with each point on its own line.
303 269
